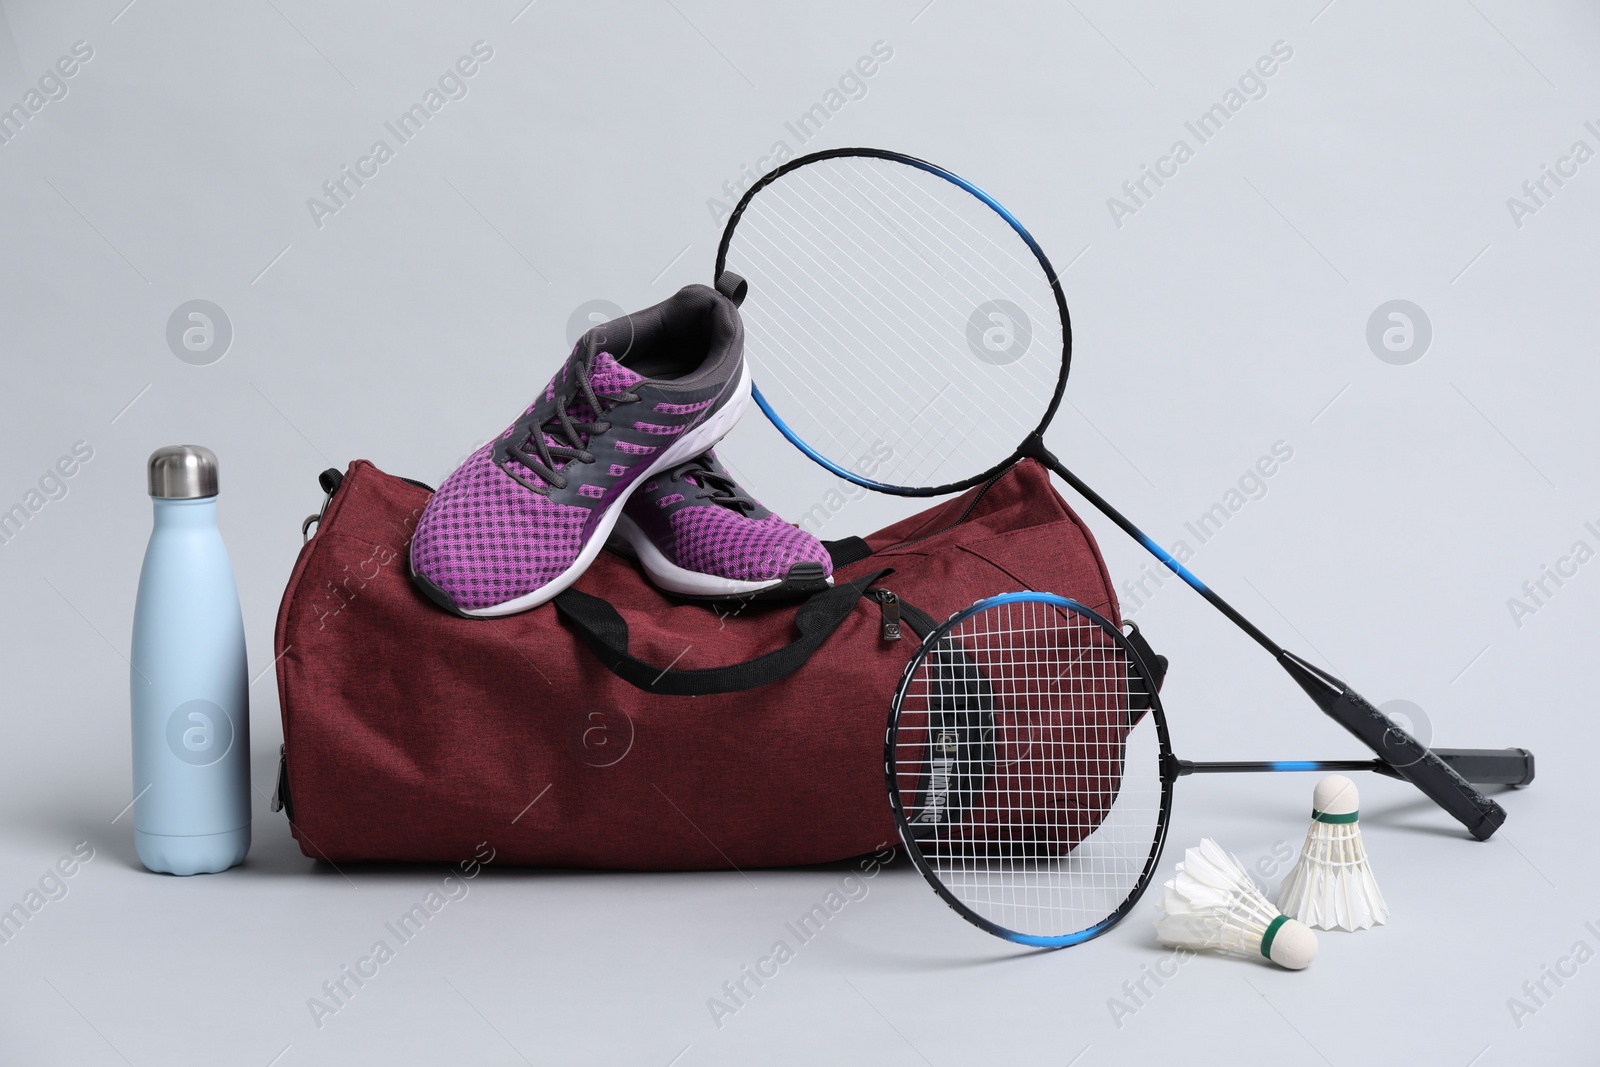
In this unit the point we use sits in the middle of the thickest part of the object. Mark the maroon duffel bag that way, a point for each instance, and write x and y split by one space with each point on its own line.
619 727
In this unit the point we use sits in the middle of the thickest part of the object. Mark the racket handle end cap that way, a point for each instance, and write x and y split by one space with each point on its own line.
1493 818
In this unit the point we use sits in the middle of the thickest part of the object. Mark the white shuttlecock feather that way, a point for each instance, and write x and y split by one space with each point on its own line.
1212 903
1331 886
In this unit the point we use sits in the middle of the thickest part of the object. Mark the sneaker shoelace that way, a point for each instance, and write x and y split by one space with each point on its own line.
562 426
715 486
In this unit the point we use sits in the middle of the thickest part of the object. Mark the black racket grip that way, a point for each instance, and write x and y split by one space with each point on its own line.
1408 756
1481 766
1419 765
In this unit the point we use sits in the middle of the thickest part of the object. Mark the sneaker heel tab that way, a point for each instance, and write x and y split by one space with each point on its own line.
733 287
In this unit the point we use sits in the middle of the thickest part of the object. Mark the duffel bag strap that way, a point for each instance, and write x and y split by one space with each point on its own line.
606 634
847 550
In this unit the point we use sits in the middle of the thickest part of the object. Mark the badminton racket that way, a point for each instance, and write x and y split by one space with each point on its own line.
908 334
1031 773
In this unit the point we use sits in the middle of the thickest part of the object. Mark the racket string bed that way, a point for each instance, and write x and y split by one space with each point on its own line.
866 277
1016 733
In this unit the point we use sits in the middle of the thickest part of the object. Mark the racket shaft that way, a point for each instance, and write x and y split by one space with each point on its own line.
1034 448
1480 766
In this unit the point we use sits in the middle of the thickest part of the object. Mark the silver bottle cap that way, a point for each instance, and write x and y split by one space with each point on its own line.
183 472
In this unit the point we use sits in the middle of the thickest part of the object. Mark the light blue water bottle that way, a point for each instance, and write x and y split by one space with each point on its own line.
191 710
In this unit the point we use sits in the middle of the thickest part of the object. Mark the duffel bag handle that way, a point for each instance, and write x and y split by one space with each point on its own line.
606 634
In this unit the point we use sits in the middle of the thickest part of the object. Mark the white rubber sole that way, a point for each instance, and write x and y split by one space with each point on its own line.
675 579
694 441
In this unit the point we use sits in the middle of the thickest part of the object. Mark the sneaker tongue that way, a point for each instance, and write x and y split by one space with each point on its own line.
606 376
611 378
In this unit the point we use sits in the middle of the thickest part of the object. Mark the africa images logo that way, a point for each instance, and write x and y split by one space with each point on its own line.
199 332
200 732
52 87
851 85
452 85
999 332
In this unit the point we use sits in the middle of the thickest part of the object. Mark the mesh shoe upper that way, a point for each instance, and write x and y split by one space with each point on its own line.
520 511
485 536
702 521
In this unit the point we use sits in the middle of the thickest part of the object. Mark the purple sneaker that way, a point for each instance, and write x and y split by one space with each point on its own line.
527 513
696 533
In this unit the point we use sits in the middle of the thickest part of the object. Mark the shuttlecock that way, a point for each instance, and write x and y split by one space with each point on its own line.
1213 903
1331 886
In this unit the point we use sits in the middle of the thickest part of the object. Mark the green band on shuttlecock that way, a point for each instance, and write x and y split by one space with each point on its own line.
1272 932
1322 816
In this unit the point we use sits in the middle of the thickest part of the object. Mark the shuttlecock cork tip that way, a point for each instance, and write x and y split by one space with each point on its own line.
1336 795
1293 945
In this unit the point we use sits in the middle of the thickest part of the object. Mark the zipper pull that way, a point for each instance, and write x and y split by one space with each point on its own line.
281 789
330 480
889 607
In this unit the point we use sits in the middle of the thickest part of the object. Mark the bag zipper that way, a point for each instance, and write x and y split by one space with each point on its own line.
894 611
330 480
889 608
280 792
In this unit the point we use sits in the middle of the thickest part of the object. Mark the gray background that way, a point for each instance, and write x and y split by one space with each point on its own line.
1230 312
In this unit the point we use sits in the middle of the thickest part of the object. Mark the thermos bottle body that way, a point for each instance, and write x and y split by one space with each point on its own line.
190 687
